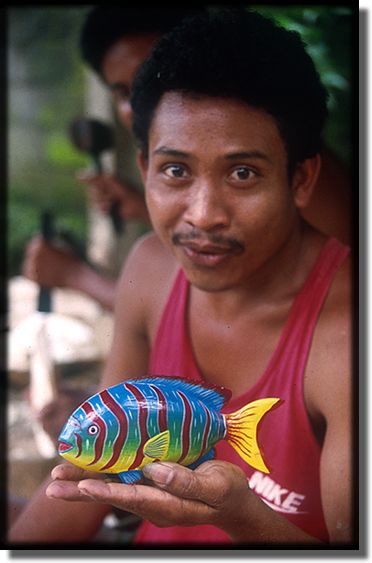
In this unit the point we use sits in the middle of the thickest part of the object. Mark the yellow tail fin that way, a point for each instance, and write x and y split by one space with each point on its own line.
242 431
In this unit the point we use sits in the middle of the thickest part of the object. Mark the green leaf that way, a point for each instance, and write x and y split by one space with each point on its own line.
60 152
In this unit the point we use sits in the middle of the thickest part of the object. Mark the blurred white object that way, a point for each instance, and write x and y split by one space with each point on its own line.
23 295
68 340
43 385
78 330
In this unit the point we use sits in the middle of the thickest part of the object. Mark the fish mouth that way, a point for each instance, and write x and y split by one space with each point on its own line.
64 447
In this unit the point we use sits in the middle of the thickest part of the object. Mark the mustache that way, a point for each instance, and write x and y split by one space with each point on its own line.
229 243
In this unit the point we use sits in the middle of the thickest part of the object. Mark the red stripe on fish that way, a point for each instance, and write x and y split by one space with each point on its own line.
109 401
162 411
79 443
206 429
142 423
101 436
185 426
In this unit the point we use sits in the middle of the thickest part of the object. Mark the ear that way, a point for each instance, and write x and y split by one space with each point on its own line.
304 180
142 163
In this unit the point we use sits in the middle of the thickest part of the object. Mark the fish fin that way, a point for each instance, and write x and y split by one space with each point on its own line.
157 446
214 396
206 457
242 431
130 477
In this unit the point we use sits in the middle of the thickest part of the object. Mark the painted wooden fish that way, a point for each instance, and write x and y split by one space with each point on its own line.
123 428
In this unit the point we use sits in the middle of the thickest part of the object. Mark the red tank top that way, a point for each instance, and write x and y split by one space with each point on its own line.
285 436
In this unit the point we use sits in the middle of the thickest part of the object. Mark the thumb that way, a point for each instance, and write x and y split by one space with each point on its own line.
178 480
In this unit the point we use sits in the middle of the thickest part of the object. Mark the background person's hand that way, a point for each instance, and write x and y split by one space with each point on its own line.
47 264
105 190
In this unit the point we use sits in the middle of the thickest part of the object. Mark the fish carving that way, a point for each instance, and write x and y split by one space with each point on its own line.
123 428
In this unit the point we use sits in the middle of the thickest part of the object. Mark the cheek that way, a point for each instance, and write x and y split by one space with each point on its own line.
165 206
262 227
262 218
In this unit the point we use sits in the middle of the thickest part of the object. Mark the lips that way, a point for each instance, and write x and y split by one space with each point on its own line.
64 447
206 254
207 248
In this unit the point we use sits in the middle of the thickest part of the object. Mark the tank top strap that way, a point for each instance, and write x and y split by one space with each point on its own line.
295 341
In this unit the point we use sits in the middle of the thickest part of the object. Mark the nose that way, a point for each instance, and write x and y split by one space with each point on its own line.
207 208
125 113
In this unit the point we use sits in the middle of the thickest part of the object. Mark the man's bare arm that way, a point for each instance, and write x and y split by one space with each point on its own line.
51 266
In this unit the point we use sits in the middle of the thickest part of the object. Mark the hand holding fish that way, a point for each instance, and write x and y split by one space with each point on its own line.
161 431
181 497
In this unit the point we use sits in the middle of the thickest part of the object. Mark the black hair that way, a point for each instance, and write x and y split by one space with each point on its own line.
237 53
104 25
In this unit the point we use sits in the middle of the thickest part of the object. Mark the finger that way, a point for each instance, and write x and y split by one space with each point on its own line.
138 499
66 490
179 480
210 483
158 506
68 472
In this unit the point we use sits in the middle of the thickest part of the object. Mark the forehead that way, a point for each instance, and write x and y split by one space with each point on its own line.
212 122
123 58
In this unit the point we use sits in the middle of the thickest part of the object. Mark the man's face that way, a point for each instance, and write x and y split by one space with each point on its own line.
217 188
119 67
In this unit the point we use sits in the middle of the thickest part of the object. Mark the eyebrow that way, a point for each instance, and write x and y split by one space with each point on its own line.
247 154
164 150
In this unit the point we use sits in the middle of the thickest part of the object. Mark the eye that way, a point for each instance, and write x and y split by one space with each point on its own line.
93 430
242 173
175 171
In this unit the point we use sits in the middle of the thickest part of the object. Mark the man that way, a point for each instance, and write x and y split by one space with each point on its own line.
114 42
234 289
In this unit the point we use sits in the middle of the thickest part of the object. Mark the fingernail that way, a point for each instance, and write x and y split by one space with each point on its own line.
86 493
85 488
93 488
159 473
54 491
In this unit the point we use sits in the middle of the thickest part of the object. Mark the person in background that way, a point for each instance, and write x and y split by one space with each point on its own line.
114 43
233 289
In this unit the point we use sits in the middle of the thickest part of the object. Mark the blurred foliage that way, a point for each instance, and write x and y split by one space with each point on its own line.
61 152
44 190
47 37
327 33
45 40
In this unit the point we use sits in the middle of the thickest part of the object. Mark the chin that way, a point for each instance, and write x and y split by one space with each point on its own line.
209 281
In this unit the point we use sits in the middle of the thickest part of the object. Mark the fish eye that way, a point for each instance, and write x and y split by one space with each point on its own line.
93 430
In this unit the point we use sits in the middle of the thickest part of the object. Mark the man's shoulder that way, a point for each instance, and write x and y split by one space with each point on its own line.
339 300
147 276
149 255
329 370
